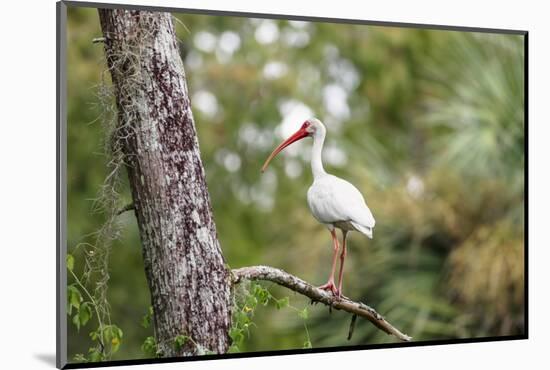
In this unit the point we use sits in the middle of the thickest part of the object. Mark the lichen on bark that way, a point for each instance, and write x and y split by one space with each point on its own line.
186 273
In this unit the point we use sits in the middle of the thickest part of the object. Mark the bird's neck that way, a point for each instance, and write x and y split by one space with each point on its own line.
316 155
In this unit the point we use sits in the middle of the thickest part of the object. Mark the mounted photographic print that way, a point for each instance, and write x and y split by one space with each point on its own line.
236 184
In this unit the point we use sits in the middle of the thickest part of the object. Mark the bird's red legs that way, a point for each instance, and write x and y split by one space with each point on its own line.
342 258
330 284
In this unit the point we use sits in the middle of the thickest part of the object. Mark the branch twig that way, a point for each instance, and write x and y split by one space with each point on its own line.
300 286
126 208
352 326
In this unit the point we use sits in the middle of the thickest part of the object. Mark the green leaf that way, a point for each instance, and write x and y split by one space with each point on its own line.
261 294
110 332
147 318
115 344
73 298
76 321
251 302
304 314
149 347
84 313
282 303
180 341
236 335
70 262
241 318
95 334
79 357
233 349
95 355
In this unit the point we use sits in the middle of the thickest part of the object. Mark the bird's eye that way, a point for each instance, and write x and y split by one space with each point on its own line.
305 125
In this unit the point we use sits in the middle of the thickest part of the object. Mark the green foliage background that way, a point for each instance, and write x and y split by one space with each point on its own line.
428 124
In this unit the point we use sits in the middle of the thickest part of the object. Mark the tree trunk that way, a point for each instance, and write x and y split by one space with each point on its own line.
187 277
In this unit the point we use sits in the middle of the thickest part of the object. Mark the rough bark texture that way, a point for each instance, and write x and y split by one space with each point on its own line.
188 280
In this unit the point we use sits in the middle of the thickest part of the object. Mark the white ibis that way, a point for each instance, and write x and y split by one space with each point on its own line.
333 202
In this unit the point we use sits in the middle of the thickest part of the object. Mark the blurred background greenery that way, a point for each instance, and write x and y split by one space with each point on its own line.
428 124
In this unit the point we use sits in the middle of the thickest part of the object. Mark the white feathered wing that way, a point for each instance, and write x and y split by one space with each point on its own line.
334 200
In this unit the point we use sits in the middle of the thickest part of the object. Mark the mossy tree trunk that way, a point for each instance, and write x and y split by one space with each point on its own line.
187 277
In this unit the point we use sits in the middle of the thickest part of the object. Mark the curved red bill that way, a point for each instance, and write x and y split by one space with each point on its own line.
298 135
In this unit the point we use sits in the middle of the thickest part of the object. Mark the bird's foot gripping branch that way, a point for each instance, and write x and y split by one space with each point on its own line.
300 286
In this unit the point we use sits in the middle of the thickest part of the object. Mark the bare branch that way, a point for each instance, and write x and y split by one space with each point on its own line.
300 286
126 208
352 326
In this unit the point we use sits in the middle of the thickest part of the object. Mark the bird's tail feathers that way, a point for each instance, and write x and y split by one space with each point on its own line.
363 229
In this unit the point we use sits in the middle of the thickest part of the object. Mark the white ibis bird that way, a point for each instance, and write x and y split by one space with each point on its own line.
333 202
